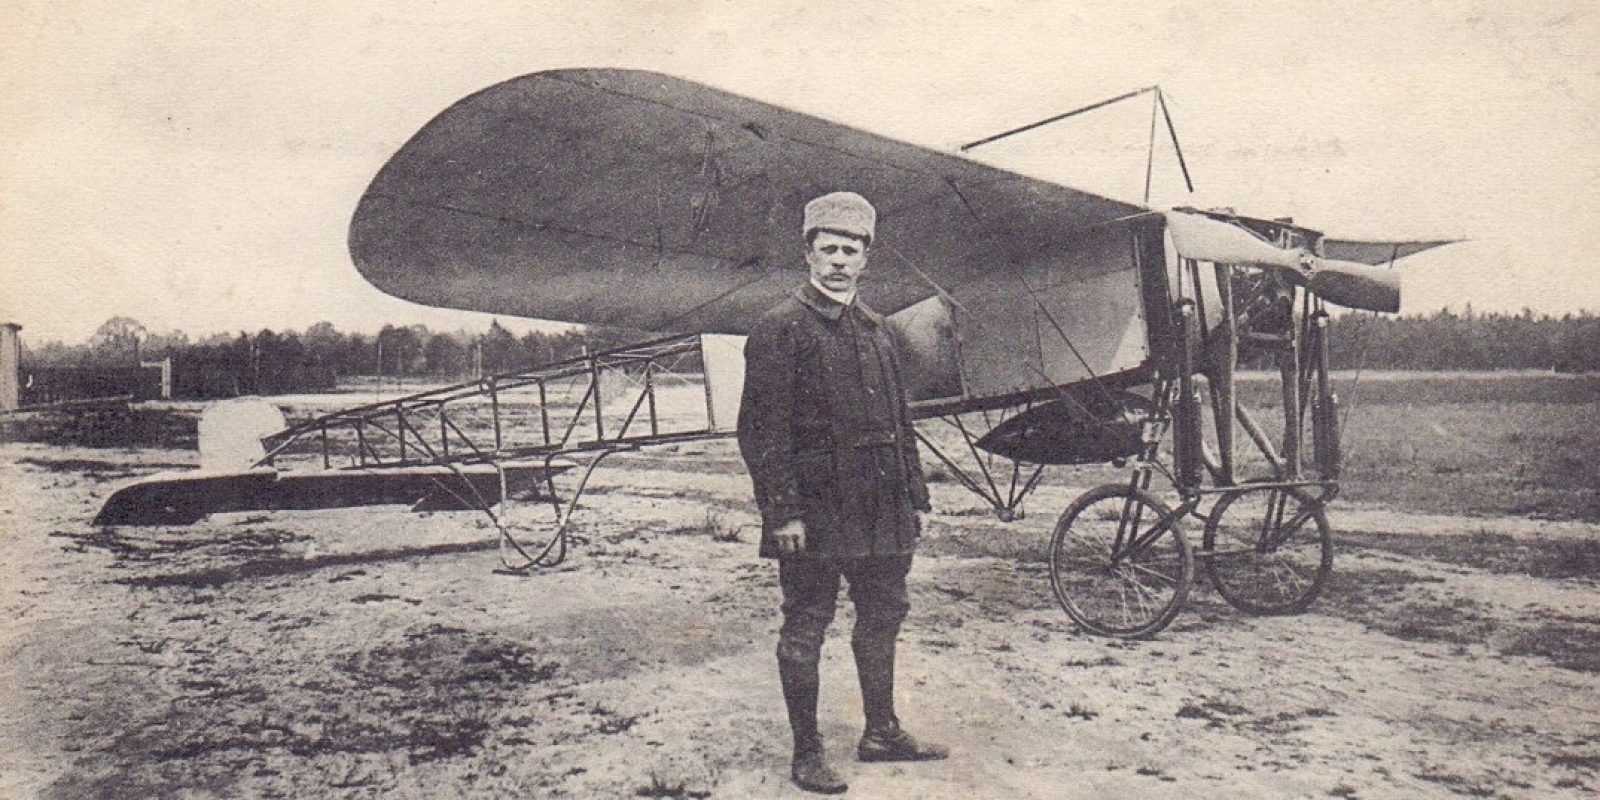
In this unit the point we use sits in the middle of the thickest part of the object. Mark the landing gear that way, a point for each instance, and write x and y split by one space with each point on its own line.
1119 563
1268 550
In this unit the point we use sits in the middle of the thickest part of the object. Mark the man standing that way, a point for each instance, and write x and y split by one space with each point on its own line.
824 430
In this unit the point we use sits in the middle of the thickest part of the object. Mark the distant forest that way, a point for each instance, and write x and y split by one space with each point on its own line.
275 362
1446 340
268 362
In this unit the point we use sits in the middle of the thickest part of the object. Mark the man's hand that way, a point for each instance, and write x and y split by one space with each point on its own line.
791 537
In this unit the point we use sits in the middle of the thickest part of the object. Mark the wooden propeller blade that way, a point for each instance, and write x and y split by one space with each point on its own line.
1344 283
1353 285
1204 239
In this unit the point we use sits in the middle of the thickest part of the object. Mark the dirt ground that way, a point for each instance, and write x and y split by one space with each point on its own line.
377 653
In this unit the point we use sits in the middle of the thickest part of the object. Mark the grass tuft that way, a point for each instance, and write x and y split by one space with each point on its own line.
660 788
714 525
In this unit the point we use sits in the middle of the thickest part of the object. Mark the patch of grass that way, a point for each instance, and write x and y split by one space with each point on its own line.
1494 552
1454 457
1458 784
274 566
1485 443
1568 645
99 471
1154 772
439 655
1393 602
1382 580
969 511
1582 763
1285 722
1435 388
720 529
160 544
1456 622
660 788
954 592
986 539
117 426
714 525
434 694
612 723
1213 711
1103 661
1077 711
383 598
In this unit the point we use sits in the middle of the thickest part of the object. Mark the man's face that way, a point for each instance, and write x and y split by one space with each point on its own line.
836 261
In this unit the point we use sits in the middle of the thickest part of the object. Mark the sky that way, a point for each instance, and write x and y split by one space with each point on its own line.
194 165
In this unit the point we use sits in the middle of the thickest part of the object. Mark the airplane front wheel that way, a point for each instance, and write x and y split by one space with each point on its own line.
1119 562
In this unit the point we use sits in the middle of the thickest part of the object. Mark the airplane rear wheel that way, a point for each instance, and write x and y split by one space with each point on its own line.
1268 551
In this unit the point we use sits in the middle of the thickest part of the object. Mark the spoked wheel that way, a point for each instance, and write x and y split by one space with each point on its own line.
1268 551
1119 562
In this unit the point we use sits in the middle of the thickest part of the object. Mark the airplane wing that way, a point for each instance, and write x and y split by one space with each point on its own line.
635 199
1373 253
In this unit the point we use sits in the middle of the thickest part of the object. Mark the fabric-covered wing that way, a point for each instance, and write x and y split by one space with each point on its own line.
640 200
1377 252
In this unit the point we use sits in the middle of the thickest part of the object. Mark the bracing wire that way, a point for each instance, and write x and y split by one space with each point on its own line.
1033 295
1361 357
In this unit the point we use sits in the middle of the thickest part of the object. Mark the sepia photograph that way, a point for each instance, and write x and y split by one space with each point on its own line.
772 399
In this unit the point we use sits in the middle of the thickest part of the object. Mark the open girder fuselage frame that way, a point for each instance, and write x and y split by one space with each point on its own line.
609 415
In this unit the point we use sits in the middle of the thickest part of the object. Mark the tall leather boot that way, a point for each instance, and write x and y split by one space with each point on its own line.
809 769
884 740
875 671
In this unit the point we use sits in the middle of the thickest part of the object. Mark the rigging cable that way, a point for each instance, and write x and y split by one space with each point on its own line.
1361 355
1022 278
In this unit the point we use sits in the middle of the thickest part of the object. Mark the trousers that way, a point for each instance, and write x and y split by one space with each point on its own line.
810 587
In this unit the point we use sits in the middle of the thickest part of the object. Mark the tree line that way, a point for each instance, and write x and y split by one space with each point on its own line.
272 362
1447 340
268 361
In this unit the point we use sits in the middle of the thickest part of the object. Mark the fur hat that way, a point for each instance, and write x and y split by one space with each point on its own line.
845 212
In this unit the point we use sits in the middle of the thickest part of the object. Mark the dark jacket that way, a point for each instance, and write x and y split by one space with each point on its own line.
824 429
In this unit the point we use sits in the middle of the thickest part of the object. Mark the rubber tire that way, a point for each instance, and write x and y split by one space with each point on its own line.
1230 582
1080 610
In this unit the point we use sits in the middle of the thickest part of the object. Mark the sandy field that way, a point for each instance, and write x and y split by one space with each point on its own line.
379 653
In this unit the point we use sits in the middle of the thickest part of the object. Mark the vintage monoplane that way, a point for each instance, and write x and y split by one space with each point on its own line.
1044 324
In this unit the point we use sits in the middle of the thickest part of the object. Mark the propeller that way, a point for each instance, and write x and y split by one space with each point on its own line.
1344 283
1353 285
